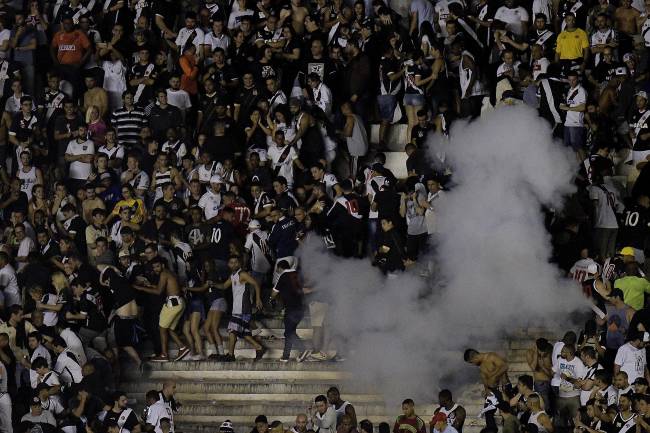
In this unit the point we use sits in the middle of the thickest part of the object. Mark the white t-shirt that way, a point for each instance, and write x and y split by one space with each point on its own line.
25 246
631 360
4 36
80 170
8 282
575 97
74 345
513 18
179 98
575 369
114 76
156 412
68 368
210 203
424 9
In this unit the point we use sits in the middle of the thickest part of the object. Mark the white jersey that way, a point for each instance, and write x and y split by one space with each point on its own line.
282 161
534 419
341 411
80 170
156 412
576 96
238 293
579 270
210 202
573 369
631 360
9 283
67 365
256 243
27 180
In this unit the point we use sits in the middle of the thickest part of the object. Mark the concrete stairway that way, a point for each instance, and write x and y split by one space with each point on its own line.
211 392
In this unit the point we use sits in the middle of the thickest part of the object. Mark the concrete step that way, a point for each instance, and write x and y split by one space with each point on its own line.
247 425
238 391
395 138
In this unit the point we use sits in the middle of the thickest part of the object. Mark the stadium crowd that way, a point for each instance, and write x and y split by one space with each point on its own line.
162 160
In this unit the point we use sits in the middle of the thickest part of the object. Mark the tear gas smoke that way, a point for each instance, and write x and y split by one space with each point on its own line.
491 271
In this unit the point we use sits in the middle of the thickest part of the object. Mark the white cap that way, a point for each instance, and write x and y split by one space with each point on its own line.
642 94
216 179
254 224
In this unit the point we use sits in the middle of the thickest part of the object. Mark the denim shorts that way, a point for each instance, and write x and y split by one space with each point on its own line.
414 99
387 104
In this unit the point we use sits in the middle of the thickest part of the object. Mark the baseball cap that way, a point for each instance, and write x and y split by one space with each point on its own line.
438 417
124 253
642 94
216 179
640 381
254 224
226 427
629 251
105 175
35 401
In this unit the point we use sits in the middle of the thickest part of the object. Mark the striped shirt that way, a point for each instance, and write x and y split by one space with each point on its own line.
128 125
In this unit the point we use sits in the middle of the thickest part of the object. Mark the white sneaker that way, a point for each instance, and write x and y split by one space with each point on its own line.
304 355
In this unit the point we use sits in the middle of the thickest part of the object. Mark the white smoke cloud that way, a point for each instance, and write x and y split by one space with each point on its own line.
491 274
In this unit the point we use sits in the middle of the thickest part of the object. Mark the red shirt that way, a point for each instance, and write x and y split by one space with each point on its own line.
71 46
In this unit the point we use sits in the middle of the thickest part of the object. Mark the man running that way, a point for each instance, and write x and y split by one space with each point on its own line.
242 310
171 312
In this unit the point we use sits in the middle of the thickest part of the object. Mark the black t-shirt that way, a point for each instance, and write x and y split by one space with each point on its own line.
290 289
62 125
167 9
640 122
151 231
175 207
219 240
387 204
128 424
20 205
635 228
419 134
23 128
77 229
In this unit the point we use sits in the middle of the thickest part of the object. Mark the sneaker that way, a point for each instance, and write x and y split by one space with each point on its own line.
260 353
160 358
182 353
228 358
216 357
318 356
304 355
284 360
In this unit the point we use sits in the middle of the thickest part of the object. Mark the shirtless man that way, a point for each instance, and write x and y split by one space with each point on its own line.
298 14
493 368
126 311
171 312
627 19
538 358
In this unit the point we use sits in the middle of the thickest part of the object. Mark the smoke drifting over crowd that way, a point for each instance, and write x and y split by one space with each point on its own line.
491 268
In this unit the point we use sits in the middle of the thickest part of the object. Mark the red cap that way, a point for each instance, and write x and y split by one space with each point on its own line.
438 417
